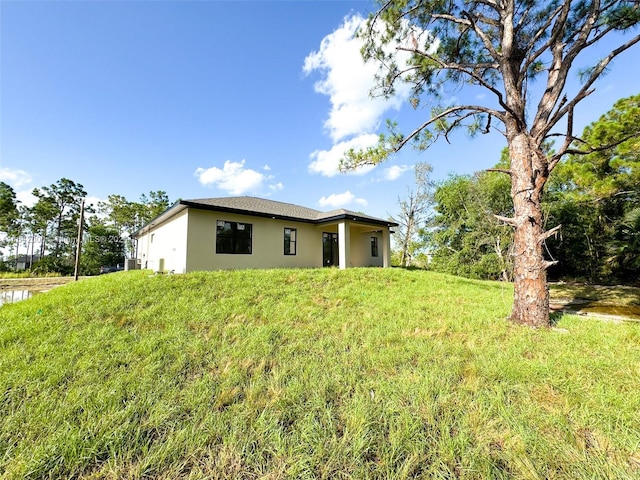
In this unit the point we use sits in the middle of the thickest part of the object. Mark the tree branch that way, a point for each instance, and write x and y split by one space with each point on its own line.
509 221
489 3
499 170
530 59
485 39
557 75
568 140
601 148
585 90
472 110
579 41
549 233
461 68
487 128
451 18
372 20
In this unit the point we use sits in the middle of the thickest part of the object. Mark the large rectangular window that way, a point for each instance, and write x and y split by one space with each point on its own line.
290 240
374 246
233 237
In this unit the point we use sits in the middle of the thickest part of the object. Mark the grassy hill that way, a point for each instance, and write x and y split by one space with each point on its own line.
364 373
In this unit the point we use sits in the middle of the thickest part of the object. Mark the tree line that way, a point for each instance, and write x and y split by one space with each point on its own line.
43 237
594 197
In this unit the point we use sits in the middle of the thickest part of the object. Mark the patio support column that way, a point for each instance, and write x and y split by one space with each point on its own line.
344 241
386 248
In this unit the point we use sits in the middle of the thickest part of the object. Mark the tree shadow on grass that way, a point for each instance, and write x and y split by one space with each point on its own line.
555 317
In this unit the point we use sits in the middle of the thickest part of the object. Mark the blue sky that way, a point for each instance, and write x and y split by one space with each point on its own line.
209 99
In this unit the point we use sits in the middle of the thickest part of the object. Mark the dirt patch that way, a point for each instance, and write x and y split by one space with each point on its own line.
601 310
613 302
33 284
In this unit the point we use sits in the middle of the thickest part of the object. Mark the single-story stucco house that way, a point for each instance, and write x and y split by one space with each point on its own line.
250 232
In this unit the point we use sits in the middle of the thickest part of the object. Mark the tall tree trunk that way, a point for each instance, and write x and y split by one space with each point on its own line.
33 243
406 261
529 173
58 232
43 242
503 264
17 249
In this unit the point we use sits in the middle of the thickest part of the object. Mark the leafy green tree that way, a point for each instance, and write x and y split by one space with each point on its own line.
579 246
60 204
499 47
414 209
154 204
10 221
612 168
465 237
9 213
120 212
125 216
39 219
591 195
624 248
103 246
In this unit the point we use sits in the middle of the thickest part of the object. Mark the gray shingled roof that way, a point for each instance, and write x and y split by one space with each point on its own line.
350 213
257 205
253 205
264 208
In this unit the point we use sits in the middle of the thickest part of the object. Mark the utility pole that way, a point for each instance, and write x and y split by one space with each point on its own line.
79 242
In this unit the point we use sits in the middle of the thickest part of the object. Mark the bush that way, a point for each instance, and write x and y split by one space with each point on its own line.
47 265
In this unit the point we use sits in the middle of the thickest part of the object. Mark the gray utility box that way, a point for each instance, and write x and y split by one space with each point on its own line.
131 264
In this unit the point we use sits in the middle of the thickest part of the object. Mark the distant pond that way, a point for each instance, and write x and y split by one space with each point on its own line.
12 296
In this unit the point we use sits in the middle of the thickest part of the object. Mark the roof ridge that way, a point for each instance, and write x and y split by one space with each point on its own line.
250 197
263 207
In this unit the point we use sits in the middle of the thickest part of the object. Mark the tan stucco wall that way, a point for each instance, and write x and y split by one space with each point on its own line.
361 248
187 242
360 243
167 241
267 243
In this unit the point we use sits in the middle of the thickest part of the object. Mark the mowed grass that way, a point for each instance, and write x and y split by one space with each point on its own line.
363 373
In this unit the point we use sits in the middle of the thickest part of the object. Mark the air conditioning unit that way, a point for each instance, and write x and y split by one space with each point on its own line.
131 264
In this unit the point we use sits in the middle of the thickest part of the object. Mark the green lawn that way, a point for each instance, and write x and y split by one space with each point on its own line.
364 373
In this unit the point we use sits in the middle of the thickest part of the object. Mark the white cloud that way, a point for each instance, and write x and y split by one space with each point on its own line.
26 198
327 162
348 81
18 178
94 201
266 168
337 200
91 200
233 178
15 177
394 172
276 187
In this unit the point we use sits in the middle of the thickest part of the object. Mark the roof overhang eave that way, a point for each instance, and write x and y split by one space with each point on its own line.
356 218
250 213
